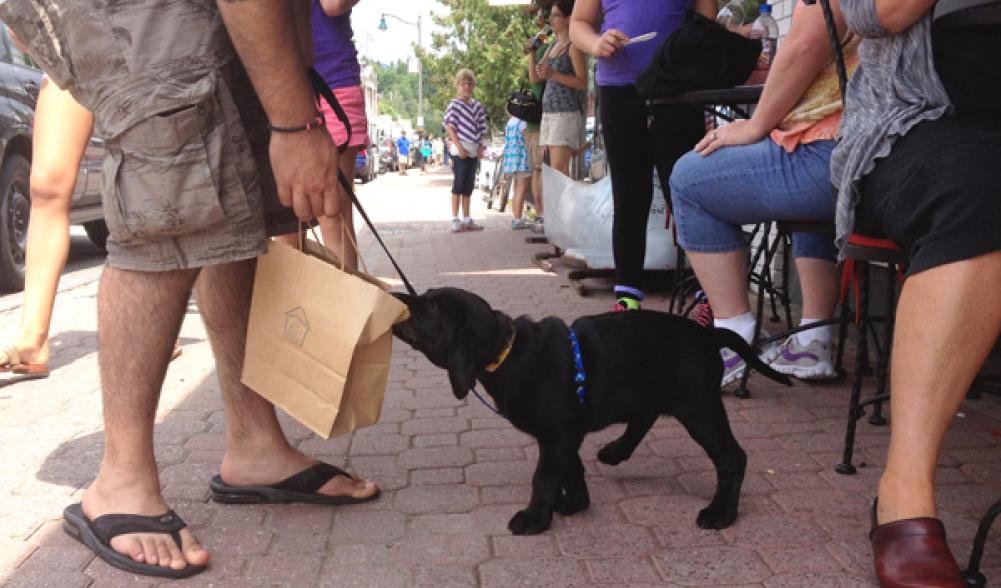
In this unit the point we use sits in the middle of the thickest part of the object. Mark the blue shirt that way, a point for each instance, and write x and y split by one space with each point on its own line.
403 146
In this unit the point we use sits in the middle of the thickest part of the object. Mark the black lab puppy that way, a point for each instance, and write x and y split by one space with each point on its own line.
636 366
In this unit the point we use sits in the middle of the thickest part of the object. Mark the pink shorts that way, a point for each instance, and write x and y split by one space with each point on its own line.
352 100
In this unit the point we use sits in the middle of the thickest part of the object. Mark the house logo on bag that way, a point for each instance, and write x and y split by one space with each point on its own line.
296 326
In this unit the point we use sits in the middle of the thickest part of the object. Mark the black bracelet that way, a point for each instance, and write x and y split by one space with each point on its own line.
316 123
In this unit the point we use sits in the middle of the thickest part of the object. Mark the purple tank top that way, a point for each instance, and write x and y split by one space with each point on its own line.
634 18
336 58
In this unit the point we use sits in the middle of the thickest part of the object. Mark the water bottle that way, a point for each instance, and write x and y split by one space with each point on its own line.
539 38
766 29
731 16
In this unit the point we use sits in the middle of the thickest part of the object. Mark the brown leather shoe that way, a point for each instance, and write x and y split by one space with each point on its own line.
912 553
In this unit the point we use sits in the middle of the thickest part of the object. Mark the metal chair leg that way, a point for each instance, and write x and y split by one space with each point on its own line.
862 349
883 368
845 315
972 575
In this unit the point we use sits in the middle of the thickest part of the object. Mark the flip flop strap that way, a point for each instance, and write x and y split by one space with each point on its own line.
110 526
311 479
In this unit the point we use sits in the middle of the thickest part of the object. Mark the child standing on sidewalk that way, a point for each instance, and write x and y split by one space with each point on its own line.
516 166
466 124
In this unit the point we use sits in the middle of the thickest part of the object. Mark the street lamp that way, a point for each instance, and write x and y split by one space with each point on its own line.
420 66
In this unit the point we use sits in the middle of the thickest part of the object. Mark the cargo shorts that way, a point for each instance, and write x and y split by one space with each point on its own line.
192 186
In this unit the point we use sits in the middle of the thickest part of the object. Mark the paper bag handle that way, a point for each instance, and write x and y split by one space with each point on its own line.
323 90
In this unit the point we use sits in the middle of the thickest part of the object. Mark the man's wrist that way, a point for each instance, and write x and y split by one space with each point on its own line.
317 122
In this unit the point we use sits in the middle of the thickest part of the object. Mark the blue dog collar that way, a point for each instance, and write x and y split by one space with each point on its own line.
578 364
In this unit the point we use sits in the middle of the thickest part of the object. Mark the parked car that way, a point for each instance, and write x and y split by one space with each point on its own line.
366 164
20 80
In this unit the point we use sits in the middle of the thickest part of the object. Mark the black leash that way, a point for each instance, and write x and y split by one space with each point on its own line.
321 89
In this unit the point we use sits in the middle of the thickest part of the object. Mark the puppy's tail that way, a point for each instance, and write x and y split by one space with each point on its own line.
727 338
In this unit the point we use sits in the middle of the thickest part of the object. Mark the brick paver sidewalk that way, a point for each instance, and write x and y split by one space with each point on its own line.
453 473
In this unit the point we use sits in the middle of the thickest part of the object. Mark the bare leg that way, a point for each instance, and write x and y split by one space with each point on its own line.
333 228
520 186
139 316
723 277
257 451
818 279
559 159
537 192
62 129
455 205
465 206
929 378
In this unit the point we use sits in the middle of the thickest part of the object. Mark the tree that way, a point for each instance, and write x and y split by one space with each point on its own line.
486 39
398 94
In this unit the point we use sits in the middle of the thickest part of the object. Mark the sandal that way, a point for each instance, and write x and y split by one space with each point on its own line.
12 363
97 536
298 488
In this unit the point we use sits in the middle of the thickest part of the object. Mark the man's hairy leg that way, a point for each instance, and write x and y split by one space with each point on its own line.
257 451
139 316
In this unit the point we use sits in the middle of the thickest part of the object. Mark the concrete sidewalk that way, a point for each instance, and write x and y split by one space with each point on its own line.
453 473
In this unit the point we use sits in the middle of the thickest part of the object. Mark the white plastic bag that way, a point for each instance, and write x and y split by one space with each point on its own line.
579 221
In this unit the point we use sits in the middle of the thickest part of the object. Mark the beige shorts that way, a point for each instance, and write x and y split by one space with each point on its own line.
561 129
534 151
191 187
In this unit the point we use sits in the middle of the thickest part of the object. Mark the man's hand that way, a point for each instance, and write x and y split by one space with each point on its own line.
461 151
305 167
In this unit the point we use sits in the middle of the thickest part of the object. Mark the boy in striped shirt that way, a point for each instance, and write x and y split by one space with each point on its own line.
466 124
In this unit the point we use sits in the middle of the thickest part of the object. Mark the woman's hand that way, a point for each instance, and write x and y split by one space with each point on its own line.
739 132
608 43
543 71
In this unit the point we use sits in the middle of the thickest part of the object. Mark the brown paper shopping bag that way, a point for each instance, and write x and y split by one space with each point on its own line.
319 339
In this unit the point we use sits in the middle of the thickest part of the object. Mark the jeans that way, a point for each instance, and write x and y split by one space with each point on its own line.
713 196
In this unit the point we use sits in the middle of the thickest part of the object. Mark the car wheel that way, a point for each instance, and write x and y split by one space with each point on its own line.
15 207
97 232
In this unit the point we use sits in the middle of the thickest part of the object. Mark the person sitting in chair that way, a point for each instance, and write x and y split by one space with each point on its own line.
774 166
919 165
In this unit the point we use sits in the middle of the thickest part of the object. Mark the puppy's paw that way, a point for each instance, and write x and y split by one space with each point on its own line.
526 522
573 504
715 517
614 453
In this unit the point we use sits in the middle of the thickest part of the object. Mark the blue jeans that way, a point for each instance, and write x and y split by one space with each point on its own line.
713 196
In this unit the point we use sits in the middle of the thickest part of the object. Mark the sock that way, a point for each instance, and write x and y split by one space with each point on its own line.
742 324
466 220
823 334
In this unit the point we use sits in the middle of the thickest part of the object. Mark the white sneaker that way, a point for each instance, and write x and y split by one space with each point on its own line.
733 364
520 223
806 362
456 226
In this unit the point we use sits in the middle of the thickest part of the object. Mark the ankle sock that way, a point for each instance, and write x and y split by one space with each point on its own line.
466 220
823 334
628 296
742 324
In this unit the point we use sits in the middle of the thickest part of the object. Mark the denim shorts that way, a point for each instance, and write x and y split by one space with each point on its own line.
713 196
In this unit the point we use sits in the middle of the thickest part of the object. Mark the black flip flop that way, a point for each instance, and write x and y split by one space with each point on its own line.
97 536
300 488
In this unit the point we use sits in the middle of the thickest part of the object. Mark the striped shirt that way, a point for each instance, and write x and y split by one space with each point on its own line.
468 118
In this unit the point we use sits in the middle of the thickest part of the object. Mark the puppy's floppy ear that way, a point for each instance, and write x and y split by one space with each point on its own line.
461 371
